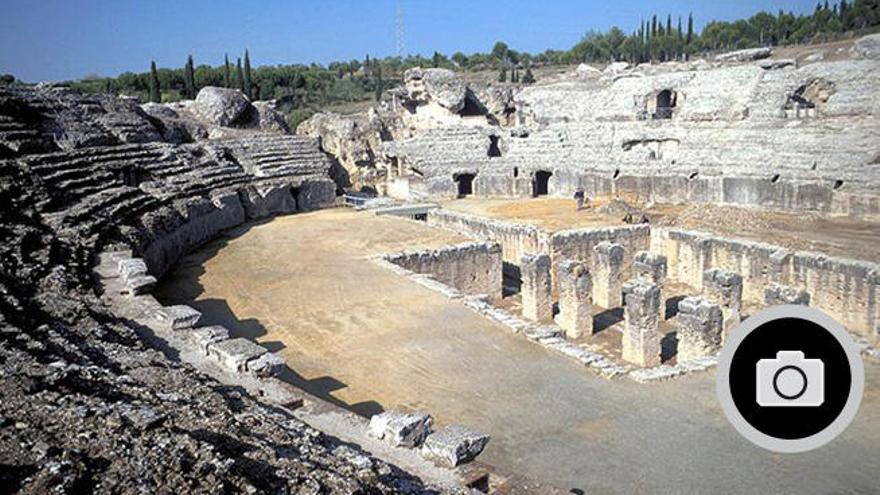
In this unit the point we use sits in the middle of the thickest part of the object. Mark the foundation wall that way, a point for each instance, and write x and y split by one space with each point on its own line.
473 268
578 244
515 239
848 290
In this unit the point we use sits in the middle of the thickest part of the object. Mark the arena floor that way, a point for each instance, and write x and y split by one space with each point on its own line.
368 339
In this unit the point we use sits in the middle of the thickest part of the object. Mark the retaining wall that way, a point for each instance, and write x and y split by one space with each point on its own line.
848 290
577 244
473 268
515 239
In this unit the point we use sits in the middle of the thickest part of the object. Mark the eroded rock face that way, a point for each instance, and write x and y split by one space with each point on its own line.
744 55
353 139
868 46
221 106
268 118
441 86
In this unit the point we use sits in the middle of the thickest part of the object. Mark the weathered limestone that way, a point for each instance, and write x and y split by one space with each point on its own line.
269 364
776 294
203 337
401 429
474 268
177 317
454 445
641 336
221 106
724 288
607 274
651 267
133 272
575 299
537 302
699 328
234 354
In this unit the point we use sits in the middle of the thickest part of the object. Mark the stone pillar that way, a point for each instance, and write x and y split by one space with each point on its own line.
575 299
776 294
607 268
641 336
724 288
700 325
537 302
651 267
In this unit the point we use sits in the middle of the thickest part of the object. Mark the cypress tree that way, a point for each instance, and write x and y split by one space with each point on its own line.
680 34
247 75
690 36
155 93
653 26
380 85
502 76
189 79
668 24
239 75
227 72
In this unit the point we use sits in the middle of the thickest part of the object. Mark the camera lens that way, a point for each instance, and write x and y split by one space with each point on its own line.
790 382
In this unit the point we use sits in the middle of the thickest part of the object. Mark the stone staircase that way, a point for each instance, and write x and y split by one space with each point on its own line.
268 156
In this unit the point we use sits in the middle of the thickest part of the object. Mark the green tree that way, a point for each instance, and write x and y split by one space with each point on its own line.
380 84
155 90
502 76
189 79
239 75
501 51
248 82
460 59
227 72
690 35
528 77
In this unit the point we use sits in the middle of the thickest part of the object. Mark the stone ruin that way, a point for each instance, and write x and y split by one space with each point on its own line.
101 196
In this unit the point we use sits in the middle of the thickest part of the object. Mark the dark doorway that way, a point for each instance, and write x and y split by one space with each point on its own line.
665 104
540 186
465 184
493 146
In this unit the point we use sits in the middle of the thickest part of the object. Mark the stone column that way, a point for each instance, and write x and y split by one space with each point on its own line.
776 294
641 336
699 328
607 268
724 288
537 302
651 267
575 299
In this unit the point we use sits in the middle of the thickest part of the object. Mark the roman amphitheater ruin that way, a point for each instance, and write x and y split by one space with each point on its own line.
407 300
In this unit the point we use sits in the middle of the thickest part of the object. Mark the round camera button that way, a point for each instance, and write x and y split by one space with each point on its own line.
790 378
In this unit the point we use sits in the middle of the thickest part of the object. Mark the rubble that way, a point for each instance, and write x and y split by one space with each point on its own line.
454 445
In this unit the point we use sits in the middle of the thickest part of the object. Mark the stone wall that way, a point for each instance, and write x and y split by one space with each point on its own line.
848 290
578 244
515 239
473 268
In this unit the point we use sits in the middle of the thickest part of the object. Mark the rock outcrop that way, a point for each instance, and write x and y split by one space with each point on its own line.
868 46
441 86
221 106
746 55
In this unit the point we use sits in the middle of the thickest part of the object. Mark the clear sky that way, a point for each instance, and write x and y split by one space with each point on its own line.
53 40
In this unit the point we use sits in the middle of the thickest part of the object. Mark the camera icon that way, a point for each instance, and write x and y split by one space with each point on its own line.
790 380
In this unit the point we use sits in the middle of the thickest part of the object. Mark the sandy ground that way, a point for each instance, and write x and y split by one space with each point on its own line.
368 339
836 236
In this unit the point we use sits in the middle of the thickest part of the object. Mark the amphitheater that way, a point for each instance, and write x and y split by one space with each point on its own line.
195 297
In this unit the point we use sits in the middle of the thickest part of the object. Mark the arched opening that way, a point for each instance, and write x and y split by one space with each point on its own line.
665 104
541 183
493 147
465 184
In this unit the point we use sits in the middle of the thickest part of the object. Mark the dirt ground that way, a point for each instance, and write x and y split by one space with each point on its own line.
368 339
836 236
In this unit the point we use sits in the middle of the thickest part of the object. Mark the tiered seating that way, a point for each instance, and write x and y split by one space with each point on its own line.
268 155
18 137
435 151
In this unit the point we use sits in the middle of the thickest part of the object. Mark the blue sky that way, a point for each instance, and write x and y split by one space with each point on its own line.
52 40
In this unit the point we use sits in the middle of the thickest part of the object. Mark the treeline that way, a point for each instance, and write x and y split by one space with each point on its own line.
304 89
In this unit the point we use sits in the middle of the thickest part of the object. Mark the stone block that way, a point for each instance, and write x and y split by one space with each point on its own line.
454 445
132 267
700 328
177 317
400 429
575 299
203 337
641 335
142 284
234 354
269 364
776 294
724 288
607 274
651 267
536 289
